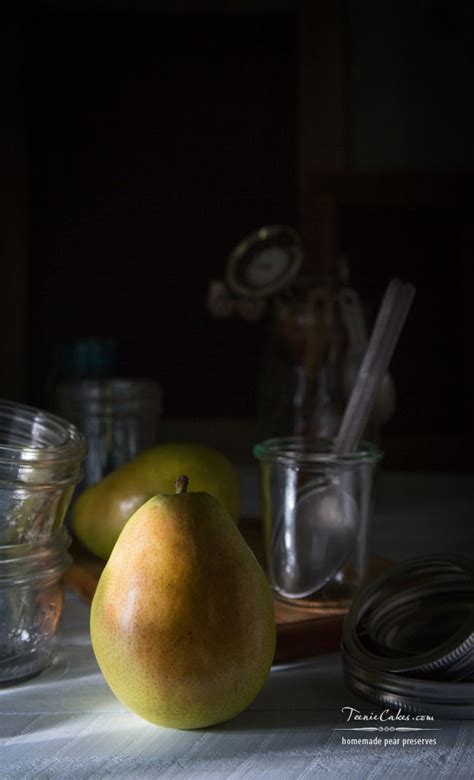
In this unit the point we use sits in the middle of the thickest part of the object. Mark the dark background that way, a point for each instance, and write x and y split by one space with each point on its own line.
157 135
157 142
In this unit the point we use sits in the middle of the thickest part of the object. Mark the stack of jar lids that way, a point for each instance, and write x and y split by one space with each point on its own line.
408 639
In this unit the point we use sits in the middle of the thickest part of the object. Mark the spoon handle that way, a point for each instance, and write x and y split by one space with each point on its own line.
385 335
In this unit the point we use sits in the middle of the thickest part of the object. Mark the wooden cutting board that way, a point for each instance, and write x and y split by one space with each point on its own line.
302 632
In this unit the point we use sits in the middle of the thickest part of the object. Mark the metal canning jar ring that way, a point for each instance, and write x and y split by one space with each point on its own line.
438 699
416 618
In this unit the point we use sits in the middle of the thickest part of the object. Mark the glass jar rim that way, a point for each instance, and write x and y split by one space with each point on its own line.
298 451
67 444
110 389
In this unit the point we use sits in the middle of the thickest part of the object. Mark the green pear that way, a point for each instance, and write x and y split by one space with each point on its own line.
182 621
101 511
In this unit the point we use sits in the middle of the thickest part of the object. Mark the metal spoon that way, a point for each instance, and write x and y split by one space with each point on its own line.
316 527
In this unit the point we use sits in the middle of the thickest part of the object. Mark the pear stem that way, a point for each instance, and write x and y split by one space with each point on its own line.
181 485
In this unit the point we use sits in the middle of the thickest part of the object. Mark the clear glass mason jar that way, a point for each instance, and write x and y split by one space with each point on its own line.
31 603
118 417
316 508
40 463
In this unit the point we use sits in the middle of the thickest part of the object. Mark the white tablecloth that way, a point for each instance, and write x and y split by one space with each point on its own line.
66 723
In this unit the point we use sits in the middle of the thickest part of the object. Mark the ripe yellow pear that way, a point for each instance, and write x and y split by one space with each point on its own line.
182 621
101 511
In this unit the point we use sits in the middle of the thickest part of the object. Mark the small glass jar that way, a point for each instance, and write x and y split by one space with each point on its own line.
31 603
316 508
40 463
118 417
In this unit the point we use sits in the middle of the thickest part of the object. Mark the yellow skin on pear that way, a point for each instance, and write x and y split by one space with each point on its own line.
182 621
101 511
